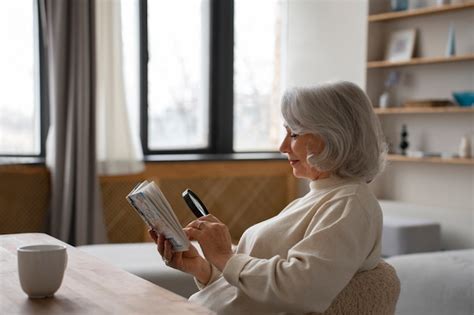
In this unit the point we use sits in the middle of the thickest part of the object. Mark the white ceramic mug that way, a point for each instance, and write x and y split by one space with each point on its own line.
41 269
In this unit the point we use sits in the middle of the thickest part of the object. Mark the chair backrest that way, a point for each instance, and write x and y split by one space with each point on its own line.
374 291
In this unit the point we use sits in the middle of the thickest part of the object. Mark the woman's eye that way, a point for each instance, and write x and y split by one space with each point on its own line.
293 135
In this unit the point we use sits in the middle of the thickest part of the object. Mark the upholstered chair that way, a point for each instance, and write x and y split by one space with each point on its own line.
369 292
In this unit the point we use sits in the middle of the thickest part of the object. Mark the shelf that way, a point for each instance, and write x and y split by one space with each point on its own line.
418 61
424 110
457 161
419 12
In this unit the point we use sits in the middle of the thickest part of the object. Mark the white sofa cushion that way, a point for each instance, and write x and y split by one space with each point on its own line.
405 235
435 283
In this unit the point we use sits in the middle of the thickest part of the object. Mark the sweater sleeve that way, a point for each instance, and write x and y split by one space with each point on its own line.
215 274
317 268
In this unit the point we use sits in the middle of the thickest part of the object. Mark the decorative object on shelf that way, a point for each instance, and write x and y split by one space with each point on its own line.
428 103
417 4
399 5
465 98
384 99
392 79
423 154
448 155
465 147
404 144
442 2
416 154
401 45
451 44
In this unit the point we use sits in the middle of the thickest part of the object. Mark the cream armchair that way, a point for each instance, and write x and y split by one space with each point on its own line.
369 292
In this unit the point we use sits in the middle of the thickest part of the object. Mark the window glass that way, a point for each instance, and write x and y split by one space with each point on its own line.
178 74
19 102
258 74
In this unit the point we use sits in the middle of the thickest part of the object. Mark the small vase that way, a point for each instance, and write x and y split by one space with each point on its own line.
465 147
384 100
404 144
451 44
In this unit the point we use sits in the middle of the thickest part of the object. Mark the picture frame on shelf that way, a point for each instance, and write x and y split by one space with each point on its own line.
400 45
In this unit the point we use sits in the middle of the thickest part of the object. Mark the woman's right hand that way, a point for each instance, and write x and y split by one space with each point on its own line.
189 261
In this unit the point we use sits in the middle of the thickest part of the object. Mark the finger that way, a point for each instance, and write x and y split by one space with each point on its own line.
190 223
177 259
197 224
161 244
153 234
168 253
185 230
193 233
210 218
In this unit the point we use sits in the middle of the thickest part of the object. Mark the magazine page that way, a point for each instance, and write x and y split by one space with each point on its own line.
156 194
150 203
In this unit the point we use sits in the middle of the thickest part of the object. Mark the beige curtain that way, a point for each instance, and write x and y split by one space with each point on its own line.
118 149
76 214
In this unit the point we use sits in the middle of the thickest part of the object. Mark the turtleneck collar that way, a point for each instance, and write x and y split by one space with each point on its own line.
333 180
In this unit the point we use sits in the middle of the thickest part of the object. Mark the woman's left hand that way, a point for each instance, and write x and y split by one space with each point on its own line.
214 238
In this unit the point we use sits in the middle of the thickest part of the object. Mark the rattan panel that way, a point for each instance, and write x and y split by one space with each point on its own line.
238 201
122 223
239 193
24 195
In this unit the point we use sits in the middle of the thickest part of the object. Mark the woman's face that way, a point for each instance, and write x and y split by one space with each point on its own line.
297 147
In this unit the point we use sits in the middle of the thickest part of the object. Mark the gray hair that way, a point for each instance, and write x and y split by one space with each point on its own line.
342 115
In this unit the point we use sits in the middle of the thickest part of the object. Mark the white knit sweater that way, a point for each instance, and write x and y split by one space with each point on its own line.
298 261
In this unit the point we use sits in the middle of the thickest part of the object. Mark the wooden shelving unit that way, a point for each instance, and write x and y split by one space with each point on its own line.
419 12
423 110
456 161
431 56
418 61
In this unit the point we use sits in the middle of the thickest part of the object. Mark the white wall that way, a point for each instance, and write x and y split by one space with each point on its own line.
326 40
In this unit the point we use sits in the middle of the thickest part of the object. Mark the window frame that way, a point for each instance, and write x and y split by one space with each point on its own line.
221 49
220 81
43 87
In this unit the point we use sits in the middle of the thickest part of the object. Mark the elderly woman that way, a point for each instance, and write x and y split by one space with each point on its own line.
299 260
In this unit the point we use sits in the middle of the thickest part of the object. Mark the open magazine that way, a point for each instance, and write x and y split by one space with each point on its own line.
150 203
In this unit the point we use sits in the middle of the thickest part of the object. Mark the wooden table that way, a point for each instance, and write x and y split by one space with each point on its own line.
90 286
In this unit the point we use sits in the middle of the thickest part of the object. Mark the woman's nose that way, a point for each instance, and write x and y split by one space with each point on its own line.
284 147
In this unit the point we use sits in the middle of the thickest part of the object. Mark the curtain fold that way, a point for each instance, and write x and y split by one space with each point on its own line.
76 214
118 152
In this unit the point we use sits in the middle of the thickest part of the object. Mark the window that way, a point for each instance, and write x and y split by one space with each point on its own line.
209 82
211 75
178 74
257 74
20 132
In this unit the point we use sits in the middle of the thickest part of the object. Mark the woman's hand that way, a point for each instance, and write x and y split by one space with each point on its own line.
189 261
214 238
